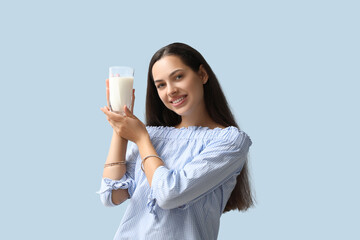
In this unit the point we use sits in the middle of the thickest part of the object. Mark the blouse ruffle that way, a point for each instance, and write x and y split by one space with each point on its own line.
107 185
194 132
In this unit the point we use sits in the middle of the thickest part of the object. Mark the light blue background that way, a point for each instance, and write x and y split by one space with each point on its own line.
290 70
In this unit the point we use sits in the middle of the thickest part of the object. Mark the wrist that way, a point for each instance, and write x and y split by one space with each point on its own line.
119 138
143 140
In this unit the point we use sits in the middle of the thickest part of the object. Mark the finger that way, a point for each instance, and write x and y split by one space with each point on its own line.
133 101
105 109
107 92
112 115
127 112
106 112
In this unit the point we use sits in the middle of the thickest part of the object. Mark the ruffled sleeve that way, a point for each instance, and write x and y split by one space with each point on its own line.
107 185
221 159
126 182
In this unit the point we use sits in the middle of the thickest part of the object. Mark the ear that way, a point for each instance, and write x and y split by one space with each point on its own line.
203 74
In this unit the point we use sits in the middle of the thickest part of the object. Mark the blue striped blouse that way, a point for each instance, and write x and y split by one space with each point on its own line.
189 193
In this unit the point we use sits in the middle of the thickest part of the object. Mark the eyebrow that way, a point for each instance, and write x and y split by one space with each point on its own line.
171 74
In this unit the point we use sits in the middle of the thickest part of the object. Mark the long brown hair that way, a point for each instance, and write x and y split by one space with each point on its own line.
157 114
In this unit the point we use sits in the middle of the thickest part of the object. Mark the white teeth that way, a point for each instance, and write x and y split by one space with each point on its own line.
178 100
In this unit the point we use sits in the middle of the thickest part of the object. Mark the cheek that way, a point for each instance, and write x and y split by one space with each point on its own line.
162 96
200 95
198 89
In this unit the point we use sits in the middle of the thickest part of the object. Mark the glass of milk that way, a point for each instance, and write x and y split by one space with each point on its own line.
121 81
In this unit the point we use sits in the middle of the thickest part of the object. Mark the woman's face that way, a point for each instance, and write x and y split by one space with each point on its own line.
179 87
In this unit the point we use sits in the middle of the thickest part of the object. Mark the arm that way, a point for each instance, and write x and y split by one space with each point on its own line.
131 128
217 163
152 163
116 153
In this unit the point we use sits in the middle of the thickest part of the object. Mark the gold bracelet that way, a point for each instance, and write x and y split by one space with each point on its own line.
142 162
114 163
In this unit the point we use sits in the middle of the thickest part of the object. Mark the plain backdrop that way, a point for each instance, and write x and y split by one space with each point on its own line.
289 69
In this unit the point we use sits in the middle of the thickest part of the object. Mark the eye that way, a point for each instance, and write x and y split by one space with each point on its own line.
179 77
160 85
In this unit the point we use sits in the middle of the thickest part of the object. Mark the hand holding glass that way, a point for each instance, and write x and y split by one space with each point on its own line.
121 81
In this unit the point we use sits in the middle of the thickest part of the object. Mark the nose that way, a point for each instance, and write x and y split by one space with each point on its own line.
172 90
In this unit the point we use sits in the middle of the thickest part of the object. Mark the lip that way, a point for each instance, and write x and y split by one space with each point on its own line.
179 103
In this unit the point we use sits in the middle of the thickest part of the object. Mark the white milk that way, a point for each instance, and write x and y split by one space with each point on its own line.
121 89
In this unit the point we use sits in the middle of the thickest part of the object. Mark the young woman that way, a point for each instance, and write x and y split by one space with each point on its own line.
188 165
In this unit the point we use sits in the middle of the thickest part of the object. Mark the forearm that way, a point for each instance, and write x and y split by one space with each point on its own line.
152 163
117 152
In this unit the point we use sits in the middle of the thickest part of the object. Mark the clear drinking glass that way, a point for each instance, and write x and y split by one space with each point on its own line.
121 80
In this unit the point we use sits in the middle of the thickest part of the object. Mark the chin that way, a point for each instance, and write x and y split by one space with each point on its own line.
183 113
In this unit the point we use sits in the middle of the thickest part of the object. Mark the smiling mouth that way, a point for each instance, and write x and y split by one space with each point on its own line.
178 101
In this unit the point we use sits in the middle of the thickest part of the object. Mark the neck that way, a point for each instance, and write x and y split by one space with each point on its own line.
201 119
